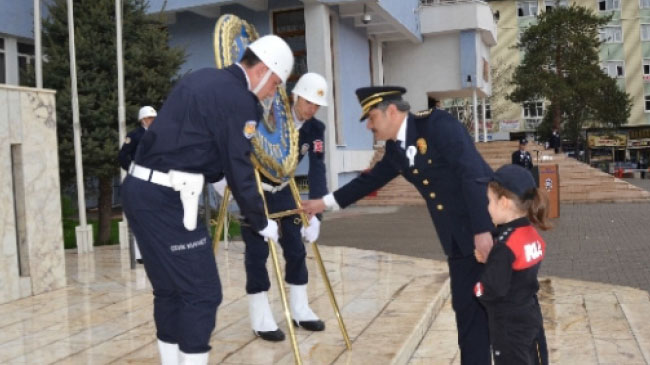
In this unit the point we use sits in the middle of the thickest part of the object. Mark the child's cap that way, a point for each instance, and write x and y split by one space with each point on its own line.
523 141
516 179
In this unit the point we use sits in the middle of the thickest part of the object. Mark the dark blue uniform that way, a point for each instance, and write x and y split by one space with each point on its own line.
203 127
523 159
445 170
312 142
127 151
508 289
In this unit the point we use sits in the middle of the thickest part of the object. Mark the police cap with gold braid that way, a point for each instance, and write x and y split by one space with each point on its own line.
373 95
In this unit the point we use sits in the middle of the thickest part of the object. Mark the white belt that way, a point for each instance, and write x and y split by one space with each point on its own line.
274 189
147 174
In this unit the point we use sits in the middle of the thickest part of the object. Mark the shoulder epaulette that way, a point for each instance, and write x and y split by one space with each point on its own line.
423 113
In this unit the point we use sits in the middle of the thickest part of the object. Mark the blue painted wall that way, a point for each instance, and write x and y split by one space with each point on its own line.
404 11
468 57
175 5
353 73
17 18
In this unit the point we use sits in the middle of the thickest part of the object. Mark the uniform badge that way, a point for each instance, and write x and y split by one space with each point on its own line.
422 145
318 146
127 140
304 148
249 129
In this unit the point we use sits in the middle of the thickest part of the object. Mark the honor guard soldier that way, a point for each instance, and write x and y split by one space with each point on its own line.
202 132
434 152
309 94
522 157
146 116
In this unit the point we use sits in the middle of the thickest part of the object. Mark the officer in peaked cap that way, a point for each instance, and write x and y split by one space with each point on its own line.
309 94
522 157
202 132
434 152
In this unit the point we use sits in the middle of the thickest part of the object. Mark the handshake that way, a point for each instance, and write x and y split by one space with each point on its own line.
309 234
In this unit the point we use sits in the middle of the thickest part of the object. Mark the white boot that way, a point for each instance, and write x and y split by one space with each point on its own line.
194 359
299 304
260 313
169 353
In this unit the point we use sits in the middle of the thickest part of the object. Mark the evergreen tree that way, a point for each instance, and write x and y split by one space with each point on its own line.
150 66
561 65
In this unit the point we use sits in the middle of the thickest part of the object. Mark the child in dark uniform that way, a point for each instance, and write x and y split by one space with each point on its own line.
508 287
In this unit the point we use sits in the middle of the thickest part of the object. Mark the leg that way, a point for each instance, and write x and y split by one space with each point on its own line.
296 275
255 256
257 286
471 318
180 265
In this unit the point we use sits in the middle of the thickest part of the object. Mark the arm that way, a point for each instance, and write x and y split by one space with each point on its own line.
127 152
316 174
495 281
466 163
514 158
356 189
235 154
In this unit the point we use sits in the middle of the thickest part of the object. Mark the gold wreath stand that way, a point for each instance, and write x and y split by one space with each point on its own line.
276 265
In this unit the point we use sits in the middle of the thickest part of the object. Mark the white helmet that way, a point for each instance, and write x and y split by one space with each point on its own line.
275 53
146 112
312 87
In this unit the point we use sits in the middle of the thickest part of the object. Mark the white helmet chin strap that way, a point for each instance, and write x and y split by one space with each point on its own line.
262 82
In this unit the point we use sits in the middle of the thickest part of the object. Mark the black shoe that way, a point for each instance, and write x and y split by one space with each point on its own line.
139 261
316 325
273 336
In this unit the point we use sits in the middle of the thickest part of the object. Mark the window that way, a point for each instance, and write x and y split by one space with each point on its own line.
488 111
533 114
2 61
550 4
615 69
647 103
290 26
606 5
611 34
644 4
646 70
527 8
645 32
25 58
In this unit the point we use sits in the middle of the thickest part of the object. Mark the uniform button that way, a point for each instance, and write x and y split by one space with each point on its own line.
430 162
440 207
415 171
425 182
432 195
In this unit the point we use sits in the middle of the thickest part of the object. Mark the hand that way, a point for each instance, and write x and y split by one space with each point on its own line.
310 234
483 244
313 207
220 187
270 232
479 256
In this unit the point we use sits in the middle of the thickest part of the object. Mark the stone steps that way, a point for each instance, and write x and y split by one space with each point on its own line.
579 183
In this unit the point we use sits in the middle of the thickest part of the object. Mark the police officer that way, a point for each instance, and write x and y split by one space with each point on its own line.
309 95
434 152
522 157
126 155
202 132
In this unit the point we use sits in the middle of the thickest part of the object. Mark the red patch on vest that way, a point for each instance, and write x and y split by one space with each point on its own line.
529 248
478 289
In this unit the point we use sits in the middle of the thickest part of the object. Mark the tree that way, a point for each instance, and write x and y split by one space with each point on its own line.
561 65
150 66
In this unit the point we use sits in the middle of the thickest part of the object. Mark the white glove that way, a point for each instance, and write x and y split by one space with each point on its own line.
270 231
220 187
310 234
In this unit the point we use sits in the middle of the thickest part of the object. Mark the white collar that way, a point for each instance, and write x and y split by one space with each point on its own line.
401 133
248 81
297 122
